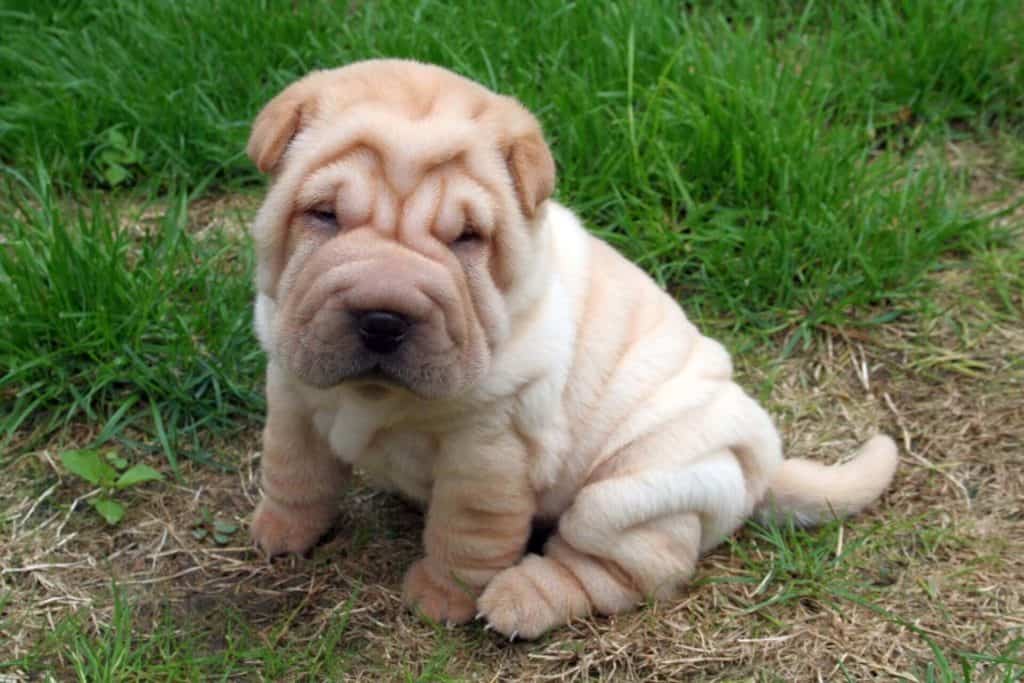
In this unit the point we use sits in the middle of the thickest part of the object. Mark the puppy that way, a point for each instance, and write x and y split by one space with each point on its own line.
434 319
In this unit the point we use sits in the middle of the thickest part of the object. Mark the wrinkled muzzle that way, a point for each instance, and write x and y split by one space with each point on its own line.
370 309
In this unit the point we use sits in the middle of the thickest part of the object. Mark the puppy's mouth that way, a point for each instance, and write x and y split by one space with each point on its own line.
375 374
372 378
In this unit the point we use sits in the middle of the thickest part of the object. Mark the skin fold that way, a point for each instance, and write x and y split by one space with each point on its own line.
529 373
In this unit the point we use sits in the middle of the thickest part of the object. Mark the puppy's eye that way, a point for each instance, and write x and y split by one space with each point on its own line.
325 219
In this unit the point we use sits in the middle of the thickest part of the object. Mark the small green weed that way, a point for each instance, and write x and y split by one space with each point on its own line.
112 474
208 526
116 157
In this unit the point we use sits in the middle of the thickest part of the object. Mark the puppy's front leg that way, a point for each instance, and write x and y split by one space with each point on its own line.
478 524
302 480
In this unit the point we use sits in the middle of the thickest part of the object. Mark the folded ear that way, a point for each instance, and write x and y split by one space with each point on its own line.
530 162
278 122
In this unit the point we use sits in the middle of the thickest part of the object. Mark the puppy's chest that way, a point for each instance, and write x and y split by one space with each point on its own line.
399 459
402 457
403 460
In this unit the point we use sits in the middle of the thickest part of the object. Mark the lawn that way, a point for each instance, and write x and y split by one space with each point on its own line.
836 190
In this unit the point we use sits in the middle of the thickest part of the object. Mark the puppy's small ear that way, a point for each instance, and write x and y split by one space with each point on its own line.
277 124
530 163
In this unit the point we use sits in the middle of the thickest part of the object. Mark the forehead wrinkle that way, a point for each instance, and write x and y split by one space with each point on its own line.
405 148
421 207
348 184
321 186
333 172
487 169
482 212
413 148
403 151
386 210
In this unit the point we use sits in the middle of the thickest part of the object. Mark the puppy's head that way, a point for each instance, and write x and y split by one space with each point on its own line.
398 241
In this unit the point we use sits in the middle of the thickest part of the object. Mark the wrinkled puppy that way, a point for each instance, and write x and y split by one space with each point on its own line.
434 319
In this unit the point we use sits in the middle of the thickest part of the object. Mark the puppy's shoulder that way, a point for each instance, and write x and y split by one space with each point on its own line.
573 244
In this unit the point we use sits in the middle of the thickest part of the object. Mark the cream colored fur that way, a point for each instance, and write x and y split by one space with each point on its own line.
550 380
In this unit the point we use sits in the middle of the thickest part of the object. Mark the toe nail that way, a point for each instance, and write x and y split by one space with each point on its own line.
479 616
513 636
488 627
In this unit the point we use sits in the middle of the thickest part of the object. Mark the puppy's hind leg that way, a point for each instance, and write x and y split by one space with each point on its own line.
625 538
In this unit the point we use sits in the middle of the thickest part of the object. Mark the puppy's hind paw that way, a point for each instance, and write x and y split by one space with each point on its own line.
525 601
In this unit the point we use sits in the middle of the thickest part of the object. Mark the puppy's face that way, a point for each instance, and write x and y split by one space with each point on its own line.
397 237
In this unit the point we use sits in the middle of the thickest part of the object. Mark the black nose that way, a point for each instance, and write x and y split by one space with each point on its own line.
382 331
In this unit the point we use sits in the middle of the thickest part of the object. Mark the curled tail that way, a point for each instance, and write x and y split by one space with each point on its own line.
812 493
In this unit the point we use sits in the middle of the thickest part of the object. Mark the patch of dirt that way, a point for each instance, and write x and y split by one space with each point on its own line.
227 215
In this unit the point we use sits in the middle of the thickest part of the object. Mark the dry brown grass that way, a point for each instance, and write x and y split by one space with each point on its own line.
938 563
955 403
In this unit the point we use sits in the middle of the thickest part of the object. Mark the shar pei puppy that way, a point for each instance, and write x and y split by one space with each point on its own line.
433 318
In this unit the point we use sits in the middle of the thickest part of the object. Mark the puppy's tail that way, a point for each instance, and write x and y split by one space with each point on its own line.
811 493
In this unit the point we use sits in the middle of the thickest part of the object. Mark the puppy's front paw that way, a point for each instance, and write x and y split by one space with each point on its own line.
525 601
438 598
278 529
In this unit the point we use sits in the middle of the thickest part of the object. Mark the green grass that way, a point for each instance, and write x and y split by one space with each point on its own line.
180 649
159 644
113 328
169 83
776 165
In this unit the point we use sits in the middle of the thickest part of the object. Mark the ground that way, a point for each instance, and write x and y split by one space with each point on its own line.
925 579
